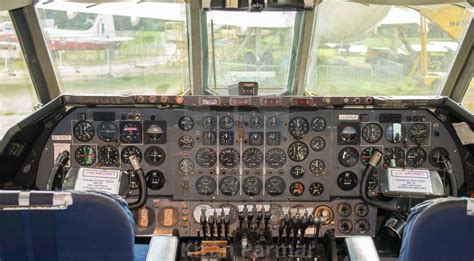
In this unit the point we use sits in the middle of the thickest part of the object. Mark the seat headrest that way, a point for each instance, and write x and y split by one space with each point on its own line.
34 200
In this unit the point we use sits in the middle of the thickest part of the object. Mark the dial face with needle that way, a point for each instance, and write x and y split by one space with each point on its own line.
372 133
85 155
108 156
83 131
419 133
186 166
155 156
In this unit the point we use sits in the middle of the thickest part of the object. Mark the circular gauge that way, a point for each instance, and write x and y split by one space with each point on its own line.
85 155
362 226
155 179
252 158
206 185
318 124
317 167
275 186
324 212
438 156
366 155
256 123
344 226
144 217
273 138
361 209
131 131
273 123
231 210
226 138
419 133
394 157
229 186
318 143
347 180
229 158
296 189
344 209
199 210
209 138
298 127
209 122
83 131
186 143
155 156
348 157
348 134
226 122
297 172
276 214
372 133
186 123
186 166
395 132
256 138
107 131
108 156
416 157
298 151
252 186
128 151
275 158
168 216
206 157
154 133
316 189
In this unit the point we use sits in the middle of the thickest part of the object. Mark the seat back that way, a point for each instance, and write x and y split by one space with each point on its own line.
440 229
64 226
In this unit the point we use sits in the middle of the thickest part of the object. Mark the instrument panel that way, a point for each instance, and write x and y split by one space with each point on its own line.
231 157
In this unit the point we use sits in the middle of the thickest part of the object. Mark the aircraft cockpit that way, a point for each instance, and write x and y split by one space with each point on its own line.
236 130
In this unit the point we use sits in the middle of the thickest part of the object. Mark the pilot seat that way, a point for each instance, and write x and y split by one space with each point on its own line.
43 225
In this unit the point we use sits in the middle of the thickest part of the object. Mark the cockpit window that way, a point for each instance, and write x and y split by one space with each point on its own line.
384 50
468 99
252 47
17 95
117 48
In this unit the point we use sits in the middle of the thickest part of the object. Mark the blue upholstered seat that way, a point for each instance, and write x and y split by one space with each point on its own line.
94 227
439 229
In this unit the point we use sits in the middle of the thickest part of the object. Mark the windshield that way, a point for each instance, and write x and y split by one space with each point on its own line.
350 48
252 47
383 50
117 48
17 95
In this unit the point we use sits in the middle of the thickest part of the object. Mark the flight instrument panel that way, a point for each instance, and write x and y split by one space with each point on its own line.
212 160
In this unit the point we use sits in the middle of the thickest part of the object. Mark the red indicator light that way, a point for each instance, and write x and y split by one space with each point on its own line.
270 101
239 101
210 101
301 101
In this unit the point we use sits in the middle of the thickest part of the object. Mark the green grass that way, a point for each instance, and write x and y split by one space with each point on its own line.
151 84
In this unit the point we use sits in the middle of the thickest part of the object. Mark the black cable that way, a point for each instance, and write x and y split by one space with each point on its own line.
59 163
142 190
392 205
448 168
